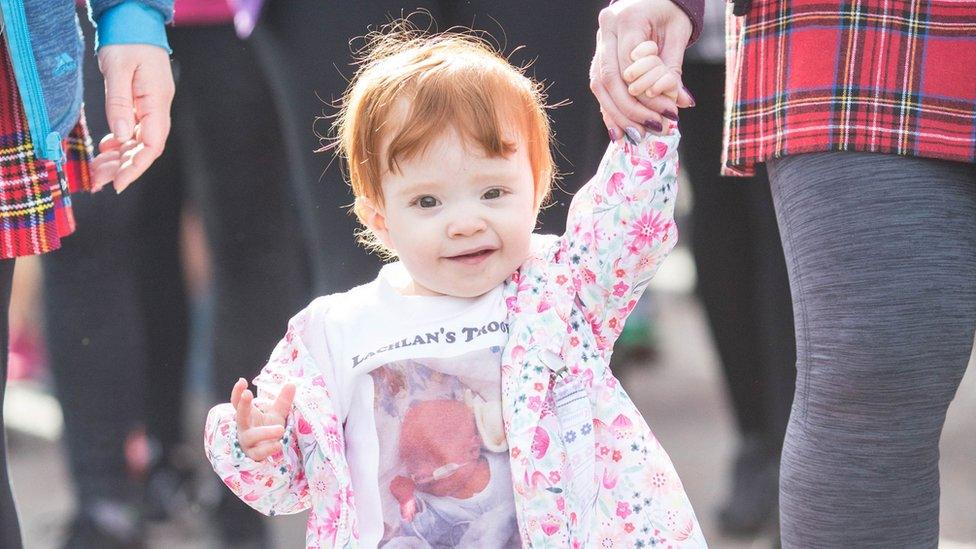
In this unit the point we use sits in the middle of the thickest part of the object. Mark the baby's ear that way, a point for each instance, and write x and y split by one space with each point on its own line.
373 216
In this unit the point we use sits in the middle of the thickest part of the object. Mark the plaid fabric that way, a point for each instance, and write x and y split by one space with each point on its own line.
35 208
890 76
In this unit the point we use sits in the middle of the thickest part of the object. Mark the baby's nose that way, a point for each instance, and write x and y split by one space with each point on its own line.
465 225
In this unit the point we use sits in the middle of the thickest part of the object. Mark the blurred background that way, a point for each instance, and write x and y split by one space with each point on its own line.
174 289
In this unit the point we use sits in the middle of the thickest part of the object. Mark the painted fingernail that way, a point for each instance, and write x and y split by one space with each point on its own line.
633 135
670 115
653 125
689 95
613 134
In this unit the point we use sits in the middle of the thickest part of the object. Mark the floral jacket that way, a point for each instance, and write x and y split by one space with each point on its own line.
586 469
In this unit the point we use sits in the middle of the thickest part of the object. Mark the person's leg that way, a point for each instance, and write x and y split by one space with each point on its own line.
881 252
259 264
303 47
9 525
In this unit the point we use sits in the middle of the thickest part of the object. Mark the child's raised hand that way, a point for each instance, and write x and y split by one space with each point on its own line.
649 75
260 424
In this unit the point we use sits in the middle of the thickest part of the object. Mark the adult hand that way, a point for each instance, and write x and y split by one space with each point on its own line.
260 425
623 25
138 93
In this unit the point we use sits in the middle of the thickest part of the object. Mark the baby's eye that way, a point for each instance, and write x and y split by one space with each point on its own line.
426 202
492 194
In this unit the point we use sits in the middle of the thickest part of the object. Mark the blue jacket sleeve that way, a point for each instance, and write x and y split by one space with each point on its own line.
131 22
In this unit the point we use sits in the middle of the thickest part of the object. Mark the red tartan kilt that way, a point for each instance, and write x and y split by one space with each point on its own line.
893 76
34 211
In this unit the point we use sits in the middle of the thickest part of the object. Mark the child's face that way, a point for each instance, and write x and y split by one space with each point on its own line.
459 221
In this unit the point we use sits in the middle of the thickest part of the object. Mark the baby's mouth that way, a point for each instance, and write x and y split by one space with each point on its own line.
473 257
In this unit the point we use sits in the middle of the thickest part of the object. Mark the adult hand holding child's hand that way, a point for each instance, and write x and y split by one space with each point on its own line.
623 25
260 423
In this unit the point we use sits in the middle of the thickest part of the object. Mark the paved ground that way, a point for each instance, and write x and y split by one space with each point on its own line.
682 398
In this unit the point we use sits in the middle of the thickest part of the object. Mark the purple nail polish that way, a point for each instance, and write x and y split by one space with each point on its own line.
653 125
670 115
689 95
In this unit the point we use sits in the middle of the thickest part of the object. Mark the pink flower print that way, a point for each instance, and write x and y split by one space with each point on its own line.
650 227
609 479
535 403
538 387
620 288
622 426
616 455
615 184
659 149
561 279
574 341
623 509
540 443
561 503
629 527
554 477
684 531
646 171
589 277
304 427
550 525
516 452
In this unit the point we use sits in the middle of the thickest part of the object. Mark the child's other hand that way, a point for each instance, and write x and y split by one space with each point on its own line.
260 424
648 75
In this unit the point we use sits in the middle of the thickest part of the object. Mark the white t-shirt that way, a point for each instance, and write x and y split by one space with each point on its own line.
418 388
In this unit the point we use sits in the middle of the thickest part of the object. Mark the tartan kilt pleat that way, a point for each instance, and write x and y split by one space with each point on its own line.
35 203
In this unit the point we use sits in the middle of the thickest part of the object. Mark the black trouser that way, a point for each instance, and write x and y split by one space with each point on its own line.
116 303
742 278
304 46
9 527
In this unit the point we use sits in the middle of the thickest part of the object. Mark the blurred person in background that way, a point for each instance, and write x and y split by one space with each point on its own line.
44 143
743 284
119 347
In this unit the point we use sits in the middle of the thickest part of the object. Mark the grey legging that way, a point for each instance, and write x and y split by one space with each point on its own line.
881 253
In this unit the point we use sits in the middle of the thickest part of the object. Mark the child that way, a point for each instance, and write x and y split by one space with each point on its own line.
448 149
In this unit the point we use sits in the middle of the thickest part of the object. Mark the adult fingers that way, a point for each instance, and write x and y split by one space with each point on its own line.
109 143
103 169
118 68
673 54
135 161
282 404
248 438
625 110
661 103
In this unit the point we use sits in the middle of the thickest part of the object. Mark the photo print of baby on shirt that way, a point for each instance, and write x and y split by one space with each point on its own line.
444 474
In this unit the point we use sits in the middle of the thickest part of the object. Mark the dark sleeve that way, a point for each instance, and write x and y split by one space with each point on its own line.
695 10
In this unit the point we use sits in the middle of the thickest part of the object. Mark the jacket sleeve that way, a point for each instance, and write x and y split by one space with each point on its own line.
131 22
696 12
277 485
620 228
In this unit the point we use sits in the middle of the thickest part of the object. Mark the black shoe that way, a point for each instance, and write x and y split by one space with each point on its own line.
752 506
168 493
106 525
